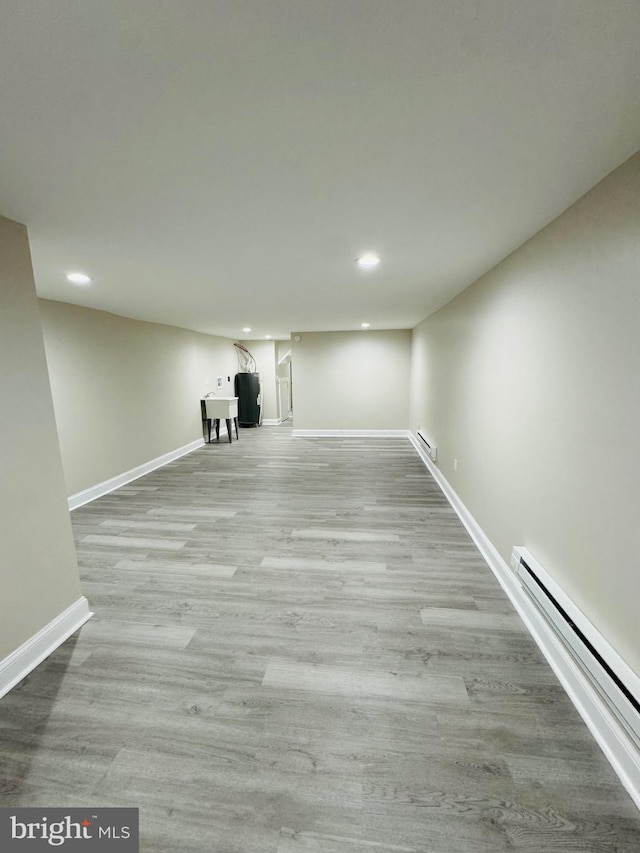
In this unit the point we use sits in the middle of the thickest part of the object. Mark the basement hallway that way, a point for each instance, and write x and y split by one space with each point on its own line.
296 648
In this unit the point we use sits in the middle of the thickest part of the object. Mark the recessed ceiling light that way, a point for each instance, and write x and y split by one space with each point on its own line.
368 261
246 329
268 337
364 325
78 278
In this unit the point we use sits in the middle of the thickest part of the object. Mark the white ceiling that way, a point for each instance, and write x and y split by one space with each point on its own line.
220 163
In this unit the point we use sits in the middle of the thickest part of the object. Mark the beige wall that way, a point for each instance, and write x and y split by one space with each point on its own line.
351 380
125 391
38 568
531 380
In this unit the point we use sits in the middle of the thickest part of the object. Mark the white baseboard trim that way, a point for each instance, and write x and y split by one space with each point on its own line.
349 433
618 748
26 658
271 421
97 491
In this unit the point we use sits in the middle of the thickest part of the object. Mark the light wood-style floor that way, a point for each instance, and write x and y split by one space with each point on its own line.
297 649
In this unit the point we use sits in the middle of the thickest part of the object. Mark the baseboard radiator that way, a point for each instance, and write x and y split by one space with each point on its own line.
615 683
428 445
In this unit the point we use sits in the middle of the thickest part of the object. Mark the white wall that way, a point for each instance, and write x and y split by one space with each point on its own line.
282 348
531 380
125 391
283 379
351 380
38 568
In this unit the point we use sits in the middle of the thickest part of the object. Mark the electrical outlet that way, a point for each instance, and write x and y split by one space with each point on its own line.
455 464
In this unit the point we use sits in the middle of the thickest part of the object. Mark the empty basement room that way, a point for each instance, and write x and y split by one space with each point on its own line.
390 606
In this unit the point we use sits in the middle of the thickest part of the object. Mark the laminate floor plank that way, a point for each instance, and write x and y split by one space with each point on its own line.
358 681
135 524
311 842
297 648
347 535
165 569
471 619
309 565
161 543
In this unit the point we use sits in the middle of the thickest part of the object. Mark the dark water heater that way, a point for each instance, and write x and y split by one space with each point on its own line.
247 390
